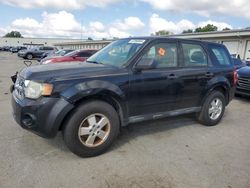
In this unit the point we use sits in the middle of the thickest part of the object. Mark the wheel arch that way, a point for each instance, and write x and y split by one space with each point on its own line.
106 96
222 87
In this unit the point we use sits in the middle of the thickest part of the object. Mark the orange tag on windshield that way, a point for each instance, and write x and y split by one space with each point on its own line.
161 52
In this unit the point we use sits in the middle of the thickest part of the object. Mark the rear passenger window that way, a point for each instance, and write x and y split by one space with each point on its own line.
221 55
165 54
194 55
48 48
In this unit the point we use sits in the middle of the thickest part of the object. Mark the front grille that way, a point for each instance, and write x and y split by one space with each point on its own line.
244 83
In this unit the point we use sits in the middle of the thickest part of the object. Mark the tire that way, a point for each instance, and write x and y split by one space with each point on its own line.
79 142
29 56
211 115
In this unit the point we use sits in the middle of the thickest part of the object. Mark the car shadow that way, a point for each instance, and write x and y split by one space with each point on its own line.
133 131
242 98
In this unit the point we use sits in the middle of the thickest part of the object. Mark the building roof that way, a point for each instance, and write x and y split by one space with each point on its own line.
215 34
84 42
240 33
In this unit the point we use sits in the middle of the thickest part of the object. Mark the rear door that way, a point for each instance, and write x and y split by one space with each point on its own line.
193 75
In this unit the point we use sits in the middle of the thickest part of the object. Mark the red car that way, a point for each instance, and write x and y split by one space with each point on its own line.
78 55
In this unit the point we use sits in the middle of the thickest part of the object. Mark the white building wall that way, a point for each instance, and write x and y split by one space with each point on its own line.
32 41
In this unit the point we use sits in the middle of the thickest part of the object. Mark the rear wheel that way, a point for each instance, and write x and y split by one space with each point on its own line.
91 129
213 109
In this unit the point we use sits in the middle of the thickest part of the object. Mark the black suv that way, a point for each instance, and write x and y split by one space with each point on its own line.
35 52
128 81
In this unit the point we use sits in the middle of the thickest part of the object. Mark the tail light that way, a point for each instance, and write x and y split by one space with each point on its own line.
235 79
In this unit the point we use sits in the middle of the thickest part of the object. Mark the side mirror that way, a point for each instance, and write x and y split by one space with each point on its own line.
146 64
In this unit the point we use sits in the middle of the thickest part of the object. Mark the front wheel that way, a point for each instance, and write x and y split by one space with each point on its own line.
91 129
212 109
29 56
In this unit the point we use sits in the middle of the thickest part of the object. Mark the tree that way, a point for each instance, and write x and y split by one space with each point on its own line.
89 38
162 33
226 29
188 31
14 34
207 28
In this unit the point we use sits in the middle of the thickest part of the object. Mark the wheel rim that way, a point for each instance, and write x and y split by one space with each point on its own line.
29 56
94 130
215 109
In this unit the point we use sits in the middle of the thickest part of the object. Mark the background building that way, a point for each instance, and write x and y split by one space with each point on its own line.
85 44
237 41
29 42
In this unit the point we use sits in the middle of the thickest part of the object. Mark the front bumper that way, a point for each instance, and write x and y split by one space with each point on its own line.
43 116
243 86
242 91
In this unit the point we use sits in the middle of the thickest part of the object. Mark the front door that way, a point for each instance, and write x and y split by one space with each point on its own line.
154 90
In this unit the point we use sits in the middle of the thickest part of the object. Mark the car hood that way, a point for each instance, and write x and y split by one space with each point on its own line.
65 71
244 71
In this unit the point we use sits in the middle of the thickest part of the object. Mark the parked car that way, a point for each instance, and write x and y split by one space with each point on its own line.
18 48
130 80
35 52
49 55
243 84
238 63
247 63
6 48
78 55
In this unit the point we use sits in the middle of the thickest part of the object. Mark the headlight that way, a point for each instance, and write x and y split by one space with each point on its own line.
34 90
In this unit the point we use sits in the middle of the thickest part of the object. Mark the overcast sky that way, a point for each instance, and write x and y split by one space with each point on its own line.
118 18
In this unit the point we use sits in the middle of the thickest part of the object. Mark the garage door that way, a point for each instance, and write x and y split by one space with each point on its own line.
232 46
247 56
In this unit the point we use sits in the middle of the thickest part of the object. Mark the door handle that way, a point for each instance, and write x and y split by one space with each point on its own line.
171 76
209 74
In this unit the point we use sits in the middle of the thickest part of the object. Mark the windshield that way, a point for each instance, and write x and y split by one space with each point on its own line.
72 53
118 52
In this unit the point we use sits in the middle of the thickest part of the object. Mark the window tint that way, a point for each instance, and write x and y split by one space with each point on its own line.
164 54
221 55
194 55
48 48
84 54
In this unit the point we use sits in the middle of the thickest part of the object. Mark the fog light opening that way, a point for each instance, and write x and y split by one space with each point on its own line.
28 120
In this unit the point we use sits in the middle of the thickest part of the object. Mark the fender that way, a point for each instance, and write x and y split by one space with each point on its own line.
218 81
98 88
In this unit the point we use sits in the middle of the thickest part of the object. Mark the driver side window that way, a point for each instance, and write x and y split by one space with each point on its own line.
163 54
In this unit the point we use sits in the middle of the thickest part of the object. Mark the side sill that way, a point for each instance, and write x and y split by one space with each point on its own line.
159 115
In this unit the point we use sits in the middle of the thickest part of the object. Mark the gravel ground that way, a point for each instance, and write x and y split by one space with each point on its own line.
174 153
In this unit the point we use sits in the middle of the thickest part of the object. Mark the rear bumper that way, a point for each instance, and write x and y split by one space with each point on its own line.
231 94
43 116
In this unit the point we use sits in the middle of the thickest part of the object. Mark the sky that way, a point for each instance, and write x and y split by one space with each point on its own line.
118 18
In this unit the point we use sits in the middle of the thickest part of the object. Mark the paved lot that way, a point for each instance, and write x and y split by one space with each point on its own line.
172 153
